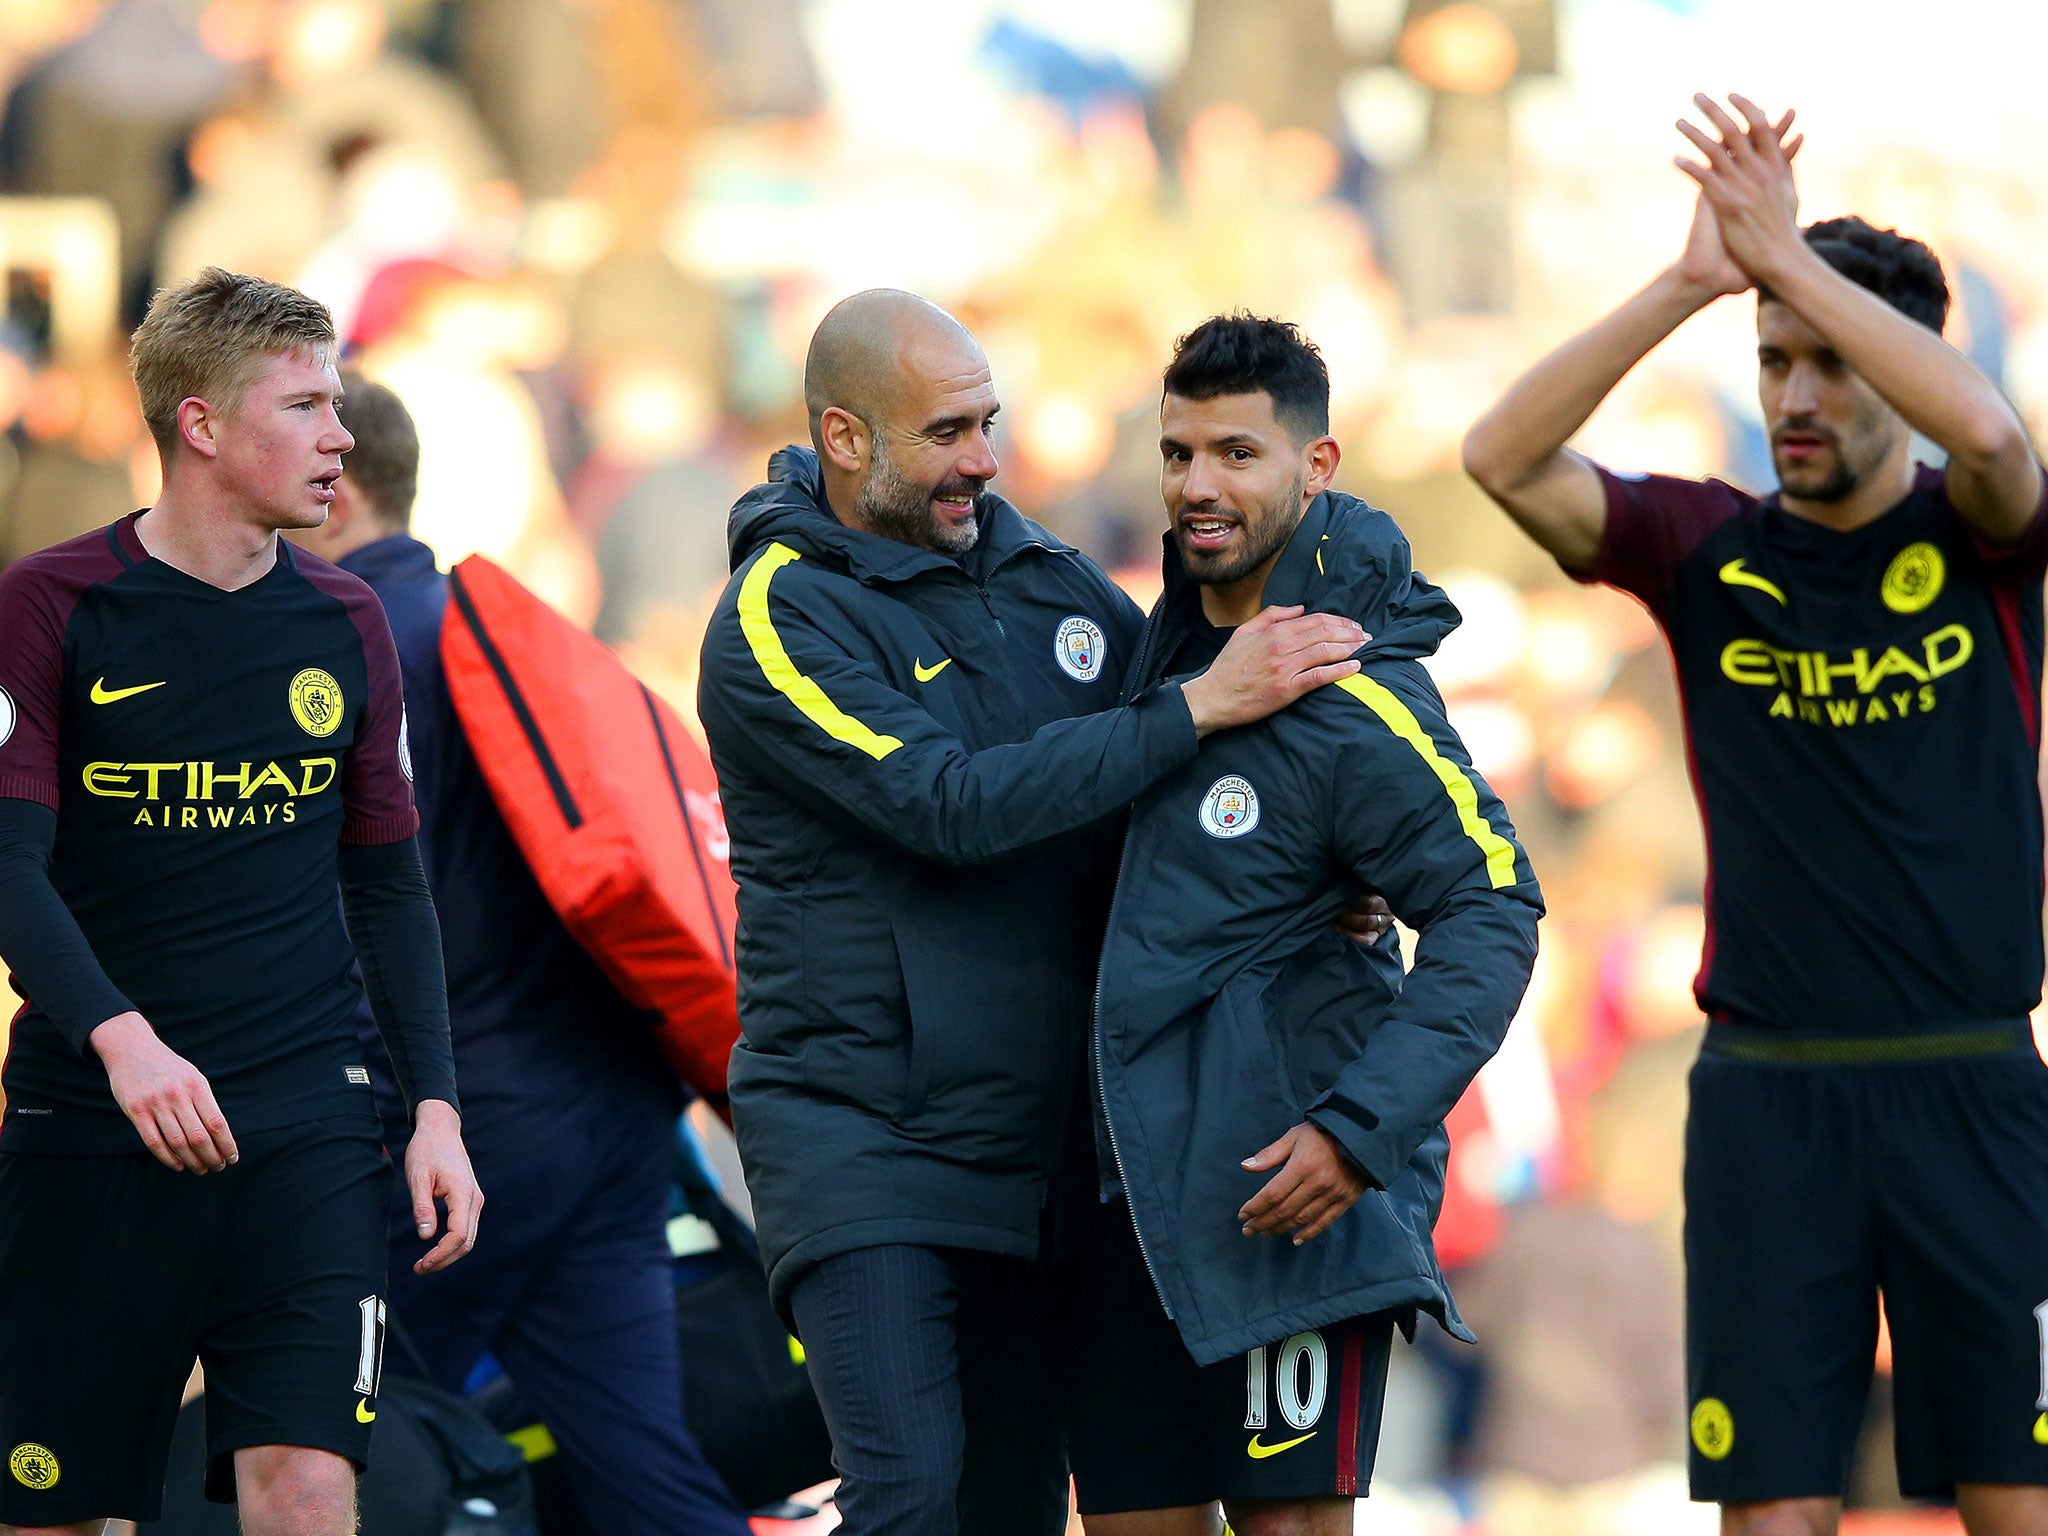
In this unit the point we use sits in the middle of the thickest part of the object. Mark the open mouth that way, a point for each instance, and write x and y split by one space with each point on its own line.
1206 531
323 484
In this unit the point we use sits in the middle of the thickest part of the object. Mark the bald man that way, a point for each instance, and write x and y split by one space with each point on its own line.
911 694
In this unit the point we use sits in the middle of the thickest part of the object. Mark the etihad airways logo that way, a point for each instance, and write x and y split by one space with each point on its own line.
217 795
1860 688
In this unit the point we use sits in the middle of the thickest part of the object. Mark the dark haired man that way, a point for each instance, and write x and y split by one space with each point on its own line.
1859 657
909 693
1271 1098
201 731
569 1109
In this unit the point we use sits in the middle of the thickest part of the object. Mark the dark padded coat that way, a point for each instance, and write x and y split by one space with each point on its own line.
911 750
1229 1008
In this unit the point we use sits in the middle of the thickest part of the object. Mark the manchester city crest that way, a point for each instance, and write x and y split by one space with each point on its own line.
1077 646
315 699
1230 809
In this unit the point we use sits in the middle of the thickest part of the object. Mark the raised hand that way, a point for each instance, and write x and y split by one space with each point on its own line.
1706 264
1746 192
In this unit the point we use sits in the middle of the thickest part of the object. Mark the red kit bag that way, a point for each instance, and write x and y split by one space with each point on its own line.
611 801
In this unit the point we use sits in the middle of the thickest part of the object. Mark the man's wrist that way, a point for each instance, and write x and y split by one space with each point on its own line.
1785 270
122 1031
1682 296
436 1114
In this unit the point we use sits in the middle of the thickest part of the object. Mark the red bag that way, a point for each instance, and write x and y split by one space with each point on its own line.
611 801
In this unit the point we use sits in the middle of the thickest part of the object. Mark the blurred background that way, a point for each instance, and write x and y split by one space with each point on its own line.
587 241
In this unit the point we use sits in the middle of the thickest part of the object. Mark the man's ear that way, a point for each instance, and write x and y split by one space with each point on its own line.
196 423
846 439
1323 455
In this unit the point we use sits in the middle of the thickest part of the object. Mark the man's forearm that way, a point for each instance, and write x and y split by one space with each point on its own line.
1937 389
40 939
1471 968
397 937
1543 409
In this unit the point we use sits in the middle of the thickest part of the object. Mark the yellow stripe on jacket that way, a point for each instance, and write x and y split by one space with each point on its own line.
782 673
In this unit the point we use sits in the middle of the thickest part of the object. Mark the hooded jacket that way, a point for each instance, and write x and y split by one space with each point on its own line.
911 750
1229 1009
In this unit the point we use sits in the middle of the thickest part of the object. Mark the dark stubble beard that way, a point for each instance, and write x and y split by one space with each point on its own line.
1842 480
890 505
1266 533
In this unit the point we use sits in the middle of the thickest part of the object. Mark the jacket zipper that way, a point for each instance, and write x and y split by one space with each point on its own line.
1116 1155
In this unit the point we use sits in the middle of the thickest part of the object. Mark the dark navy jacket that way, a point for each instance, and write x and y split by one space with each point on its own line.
907 746
539 1032
1229 1008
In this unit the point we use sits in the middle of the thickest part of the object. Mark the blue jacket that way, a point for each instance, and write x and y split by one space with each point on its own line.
1229 1009
539 1031
911 750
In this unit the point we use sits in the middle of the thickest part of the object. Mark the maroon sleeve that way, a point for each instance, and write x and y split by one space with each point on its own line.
1654 523
376 775
34 609
2027 557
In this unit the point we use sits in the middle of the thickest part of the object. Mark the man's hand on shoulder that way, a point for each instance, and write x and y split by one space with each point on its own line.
166 1098
437 1168
1316 1184
1270 661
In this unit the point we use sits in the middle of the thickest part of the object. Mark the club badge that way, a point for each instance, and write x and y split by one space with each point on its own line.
1078 647
1913 579
1230 809
315 698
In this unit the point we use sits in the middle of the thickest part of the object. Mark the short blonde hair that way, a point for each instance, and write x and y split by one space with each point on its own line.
208 338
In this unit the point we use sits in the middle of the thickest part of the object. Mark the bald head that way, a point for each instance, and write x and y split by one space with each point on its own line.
873 349
902 412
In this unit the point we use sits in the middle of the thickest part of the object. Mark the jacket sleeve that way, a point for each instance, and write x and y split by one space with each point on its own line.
779 691
1414 820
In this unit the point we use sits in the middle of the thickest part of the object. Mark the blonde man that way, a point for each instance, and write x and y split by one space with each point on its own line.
201 730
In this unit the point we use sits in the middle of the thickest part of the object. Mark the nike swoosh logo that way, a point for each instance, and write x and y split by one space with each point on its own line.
925 674
1259 1452
102 694
1736 576
365 1414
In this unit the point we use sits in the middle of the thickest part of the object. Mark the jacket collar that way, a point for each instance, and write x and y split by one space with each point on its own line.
397 557
791 506
1345 557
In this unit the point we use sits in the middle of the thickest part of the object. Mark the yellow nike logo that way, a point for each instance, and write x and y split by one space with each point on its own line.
1736 576
925 674
365 1414
2041 1430
1259 1452
102 694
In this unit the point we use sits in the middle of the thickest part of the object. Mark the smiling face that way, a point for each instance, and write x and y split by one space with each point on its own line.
1235 483
277 454
932 453
1830 431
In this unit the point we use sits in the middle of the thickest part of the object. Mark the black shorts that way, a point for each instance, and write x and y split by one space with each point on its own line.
1147 1428
1809 1188
116 1272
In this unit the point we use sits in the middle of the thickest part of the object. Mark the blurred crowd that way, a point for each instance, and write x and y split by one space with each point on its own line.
587 240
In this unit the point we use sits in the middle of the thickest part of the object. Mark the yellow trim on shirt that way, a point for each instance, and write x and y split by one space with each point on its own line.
781 672
1400 719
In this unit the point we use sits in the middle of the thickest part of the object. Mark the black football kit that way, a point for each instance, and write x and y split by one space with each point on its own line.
186 775
1868 1111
